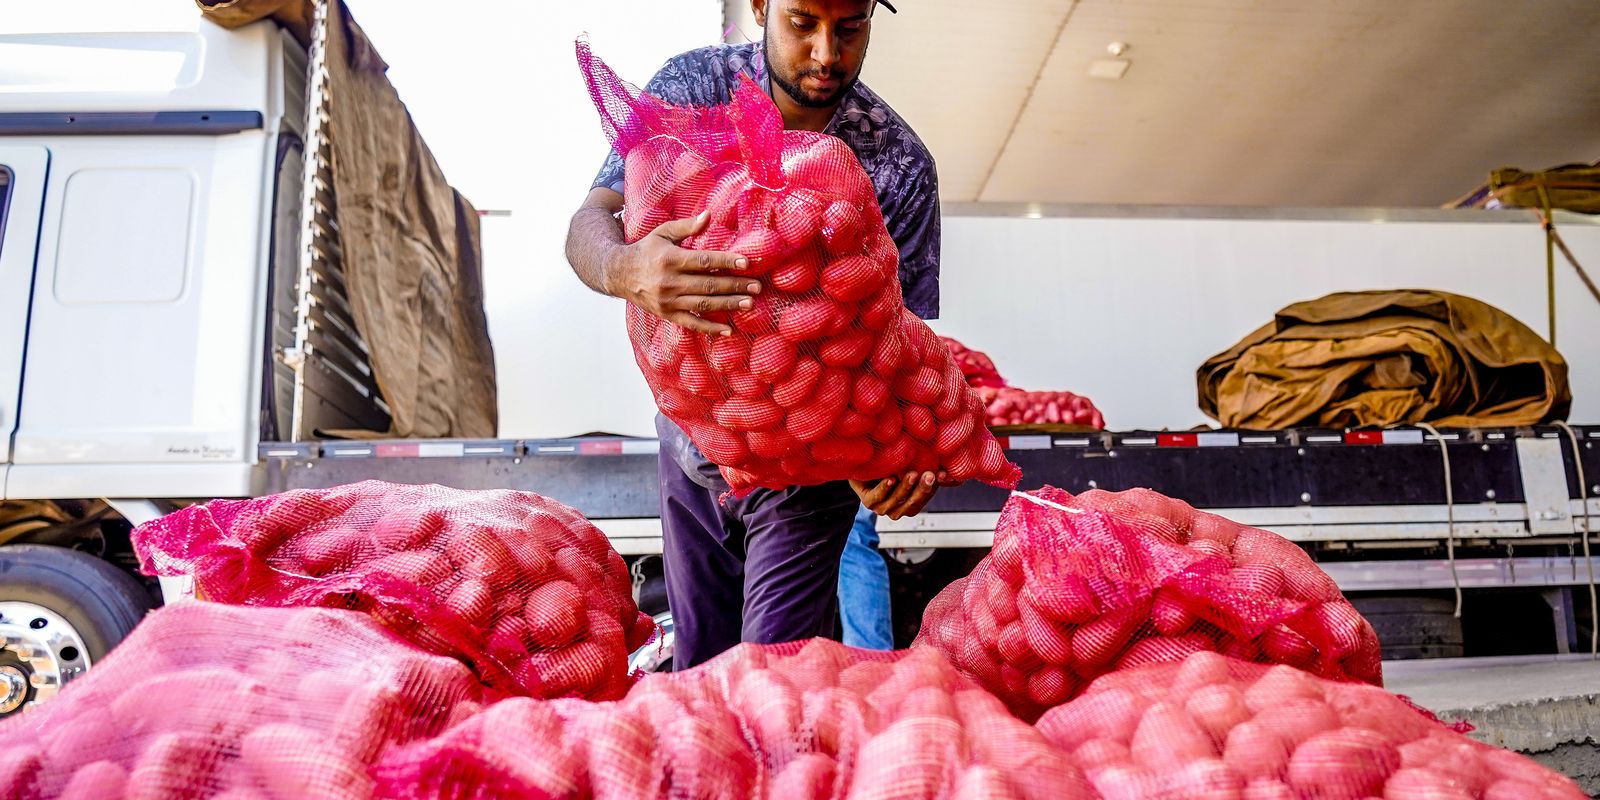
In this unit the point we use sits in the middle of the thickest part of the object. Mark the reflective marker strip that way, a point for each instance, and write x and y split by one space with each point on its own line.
423 450
1198 440
1025 442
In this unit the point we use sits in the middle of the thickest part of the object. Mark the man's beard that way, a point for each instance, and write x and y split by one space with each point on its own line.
798 93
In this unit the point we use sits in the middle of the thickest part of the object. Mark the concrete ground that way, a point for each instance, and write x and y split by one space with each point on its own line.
1545 706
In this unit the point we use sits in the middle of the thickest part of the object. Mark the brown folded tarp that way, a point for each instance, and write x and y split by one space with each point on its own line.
1572 187
1387 358
410 241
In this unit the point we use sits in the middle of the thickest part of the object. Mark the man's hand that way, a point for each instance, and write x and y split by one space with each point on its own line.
681 285
899 496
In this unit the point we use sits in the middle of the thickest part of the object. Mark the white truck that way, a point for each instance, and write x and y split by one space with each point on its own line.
174 328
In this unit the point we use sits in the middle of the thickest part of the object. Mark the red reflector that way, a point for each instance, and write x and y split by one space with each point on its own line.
398 450
603 448
1363 437
1177 440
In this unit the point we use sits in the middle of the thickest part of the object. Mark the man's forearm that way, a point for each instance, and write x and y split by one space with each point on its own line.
594 241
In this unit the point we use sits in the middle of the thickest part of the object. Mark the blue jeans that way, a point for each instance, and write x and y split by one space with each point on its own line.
864 587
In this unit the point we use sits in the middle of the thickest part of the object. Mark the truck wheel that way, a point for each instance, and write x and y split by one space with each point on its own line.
61 611
1413 627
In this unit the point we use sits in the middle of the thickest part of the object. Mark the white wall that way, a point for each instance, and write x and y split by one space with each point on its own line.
496 92
1125 310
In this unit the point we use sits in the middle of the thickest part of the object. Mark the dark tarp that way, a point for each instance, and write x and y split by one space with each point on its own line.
411 247
1387 358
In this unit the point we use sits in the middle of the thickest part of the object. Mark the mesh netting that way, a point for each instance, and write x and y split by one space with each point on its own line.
205 700
525 589
828 376
1213 726
975 365
1078 586
798 720
1010 406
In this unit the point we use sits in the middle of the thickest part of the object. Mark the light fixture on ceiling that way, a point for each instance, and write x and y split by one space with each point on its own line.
1111 68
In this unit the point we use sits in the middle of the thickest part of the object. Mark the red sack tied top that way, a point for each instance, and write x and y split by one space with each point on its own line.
828 376
1076 587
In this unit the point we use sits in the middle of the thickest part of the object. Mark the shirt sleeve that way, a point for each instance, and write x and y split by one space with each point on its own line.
670 84
915 225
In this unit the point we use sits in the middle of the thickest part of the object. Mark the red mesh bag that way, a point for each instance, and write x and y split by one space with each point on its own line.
1008 406
205 700
975 365
800 720
1078 586
1215 727
525 589
828 376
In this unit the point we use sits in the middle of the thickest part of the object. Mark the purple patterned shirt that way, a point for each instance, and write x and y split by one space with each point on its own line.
901 168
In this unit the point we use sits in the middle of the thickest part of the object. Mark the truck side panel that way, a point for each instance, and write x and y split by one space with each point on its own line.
22 178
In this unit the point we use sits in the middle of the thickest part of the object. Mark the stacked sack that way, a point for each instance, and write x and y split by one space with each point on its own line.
976 366
828 376
523 588
1215 727
1078 586
205 700
812 720
1008 407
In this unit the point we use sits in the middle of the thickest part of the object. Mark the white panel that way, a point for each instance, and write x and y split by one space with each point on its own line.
100 62
128 55
133 382
1125 310
124 236
20 199
134 480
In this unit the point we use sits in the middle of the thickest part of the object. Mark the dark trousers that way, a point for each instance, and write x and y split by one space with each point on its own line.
764 568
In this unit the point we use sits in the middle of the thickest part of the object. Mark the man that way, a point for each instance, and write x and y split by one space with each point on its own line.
764 568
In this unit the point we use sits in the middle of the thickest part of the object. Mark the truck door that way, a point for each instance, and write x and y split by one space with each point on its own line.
22 178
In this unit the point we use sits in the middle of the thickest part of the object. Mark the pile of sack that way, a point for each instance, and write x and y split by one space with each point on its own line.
1158 654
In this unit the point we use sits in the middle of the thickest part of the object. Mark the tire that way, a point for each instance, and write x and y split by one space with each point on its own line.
101 602
1413 627
653 595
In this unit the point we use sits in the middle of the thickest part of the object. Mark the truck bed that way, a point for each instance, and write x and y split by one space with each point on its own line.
1370 504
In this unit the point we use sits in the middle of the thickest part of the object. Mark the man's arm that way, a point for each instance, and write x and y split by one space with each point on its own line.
654 273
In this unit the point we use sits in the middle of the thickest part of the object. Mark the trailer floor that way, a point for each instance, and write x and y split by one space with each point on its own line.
1545 706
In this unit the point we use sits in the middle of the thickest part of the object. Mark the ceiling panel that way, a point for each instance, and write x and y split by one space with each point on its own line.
1255 102
958 76
1241 102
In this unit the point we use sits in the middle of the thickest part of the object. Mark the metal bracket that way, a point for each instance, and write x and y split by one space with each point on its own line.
1544 485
